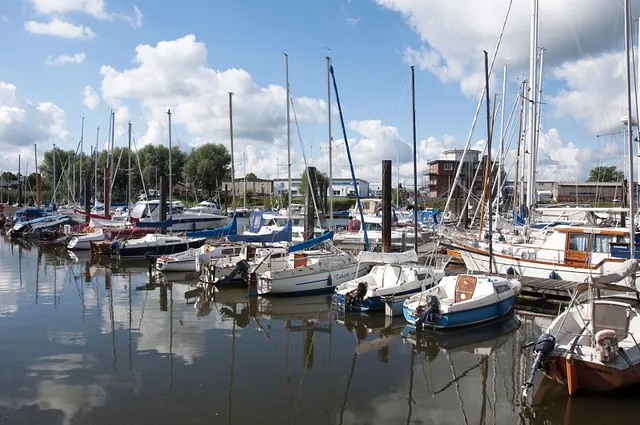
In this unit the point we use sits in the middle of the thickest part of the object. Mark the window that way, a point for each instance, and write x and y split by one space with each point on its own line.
601 243
448 167
227 251
336 193
502 288
578 242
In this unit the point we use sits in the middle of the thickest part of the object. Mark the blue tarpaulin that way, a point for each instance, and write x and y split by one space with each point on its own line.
228 230
282 235
255 222
311 242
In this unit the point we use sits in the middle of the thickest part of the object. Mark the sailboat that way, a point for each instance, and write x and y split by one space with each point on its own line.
592 345
466 299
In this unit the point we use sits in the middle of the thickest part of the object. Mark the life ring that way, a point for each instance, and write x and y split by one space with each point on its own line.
606 337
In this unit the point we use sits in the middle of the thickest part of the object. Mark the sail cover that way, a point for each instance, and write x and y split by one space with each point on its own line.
155 224
311 242
228 230
282 235
255 222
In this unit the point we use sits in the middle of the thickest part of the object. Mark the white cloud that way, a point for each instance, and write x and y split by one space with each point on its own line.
4 19
94 8
353 21
60 60
58 28
582 49
23 123
175 74
90 99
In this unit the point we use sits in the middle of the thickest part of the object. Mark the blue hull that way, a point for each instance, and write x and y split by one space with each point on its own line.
467 317
370 303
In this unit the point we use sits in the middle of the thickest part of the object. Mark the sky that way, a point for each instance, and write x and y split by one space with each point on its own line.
63 60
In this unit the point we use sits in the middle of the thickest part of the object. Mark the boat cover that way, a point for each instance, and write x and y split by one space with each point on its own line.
311 242
255 221
155 224
282 235
388 257
228 230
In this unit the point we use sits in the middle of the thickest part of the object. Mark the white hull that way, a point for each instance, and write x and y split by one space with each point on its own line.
83 242
478 262
180 265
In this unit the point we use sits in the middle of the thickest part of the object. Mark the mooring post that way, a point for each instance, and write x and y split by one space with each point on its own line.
386 205
309 206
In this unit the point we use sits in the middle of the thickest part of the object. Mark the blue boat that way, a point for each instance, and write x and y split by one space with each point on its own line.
462 300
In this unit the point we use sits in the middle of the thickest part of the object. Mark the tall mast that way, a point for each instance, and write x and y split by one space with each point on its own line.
96 155
170 175
286 62
113 145
233 166
539 103
35 151
53 187
627 35
330 140
502 131
533 72
129 174
81 193
244 171
488 163
415 162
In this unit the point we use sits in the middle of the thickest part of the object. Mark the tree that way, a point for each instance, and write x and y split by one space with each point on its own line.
322 185
605 173
251 177
207 166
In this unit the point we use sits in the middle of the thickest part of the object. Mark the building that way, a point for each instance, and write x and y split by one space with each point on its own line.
588 192
342 187
262 187
442 172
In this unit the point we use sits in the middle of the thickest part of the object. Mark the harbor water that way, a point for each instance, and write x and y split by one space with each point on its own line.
87 343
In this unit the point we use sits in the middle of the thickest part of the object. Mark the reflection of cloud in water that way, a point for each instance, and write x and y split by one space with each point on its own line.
68 338
53 393
153 325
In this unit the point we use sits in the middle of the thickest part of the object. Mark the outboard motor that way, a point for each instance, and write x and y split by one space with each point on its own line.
356 296
543 347
431 312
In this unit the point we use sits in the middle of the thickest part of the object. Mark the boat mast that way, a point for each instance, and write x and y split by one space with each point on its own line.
627 34
129 175
286 62
170 182
233 167
53 187
95 170
415 161
533 72
81 152
488 182
330 140
502 134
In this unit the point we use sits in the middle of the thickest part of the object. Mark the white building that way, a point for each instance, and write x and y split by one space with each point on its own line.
342 187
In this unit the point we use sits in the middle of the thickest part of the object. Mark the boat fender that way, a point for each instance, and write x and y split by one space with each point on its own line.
542 348
487 236
329 280
511 271
114 244
607 345
554 275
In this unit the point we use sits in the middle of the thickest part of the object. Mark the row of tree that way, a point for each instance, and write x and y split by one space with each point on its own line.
203 168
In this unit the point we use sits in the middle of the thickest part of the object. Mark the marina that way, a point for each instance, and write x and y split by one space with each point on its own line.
100 343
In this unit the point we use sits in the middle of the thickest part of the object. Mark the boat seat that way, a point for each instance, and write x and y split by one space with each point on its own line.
465 287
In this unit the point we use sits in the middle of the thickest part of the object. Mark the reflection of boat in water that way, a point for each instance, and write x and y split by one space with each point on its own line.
478 340
315 307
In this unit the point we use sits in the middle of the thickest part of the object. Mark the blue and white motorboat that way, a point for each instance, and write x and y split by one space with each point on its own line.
395 277
462 300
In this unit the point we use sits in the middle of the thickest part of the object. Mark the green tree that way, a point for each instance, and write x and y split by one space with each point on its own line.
207 166
605 173
322 185
251 177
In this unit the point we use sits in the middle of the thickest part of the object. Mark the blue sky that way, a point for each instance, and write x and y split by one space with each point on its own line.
370 43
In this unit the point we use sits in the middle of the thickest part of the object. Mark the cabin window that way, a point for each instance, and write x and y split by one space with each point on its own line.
227 251
601 243
422 276
278 255
578 242
448 167
237 251
502 288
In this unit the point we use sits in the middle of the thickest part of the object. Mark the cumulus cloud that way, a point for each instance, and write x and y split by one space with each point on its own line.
582 49
60 60
23 123
94 8
175 74
90 99
56 27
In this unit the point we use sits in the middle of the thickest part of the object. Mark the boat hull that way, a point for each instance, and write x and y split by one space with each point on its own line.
312 283
146 251
473 316
374 303
180 265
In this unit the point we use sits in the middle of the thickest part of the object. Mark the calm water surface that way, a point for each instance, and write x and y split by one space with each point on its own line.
86 343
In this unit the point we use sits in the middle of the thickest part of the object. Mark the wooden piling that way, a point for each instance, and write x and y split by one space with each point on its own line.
386 205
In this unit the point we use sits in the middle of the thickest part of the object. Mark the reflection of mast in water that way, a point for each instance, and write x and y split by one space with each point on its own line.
130 320
308 350
457 384
483 370
231 370
55 286
346 390
410 401
107 285
20 269
170 331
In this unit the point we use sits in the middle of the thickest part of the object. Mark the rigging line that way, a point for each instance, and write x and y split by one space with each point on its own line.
480 104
